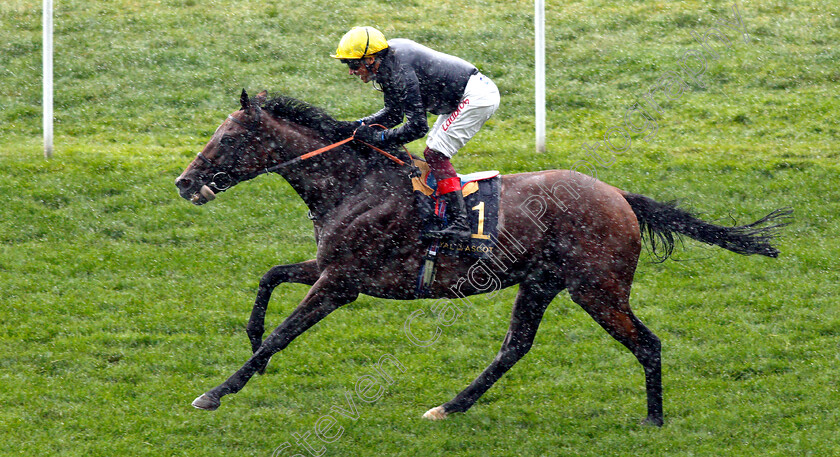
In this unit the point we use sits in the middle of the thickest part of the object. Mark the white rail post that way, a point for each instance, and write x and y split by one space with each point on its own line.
47 26
539 72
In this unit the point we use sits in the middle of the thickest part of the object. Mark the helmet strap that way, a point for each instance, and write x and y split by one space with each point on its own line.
367 44
368 66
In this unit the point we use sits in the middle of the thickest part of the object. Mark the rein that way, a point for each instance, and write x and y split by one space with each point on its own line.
316 152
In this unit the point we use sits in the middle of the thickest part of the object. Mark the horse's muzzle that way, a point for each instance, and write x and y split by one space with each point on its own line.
189 190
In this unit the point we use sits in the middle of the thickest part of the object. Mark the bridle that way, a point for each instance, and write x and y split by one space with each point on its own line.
224 180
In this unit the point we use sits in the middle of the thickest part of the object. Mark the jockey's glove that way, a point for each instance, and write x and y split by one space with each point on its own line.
346 128
370 135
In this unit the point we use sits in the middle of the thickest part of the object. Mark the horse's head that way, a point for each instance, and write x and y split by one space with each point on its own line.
232 155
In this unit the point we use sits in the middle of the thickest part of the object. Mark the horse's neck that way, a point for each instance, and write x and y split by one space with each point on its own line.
325 181
324 184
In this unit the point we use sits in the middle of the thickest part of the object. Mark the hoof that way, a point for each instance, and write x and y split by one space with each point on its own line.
653 421
261 370
435 414
206 403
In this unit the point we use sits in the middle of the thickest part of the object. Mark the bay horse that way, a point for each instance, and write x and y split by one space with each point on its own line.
571 231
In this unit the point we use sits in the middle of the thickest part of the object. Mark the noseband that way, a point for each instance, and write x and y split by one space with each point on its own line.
223 176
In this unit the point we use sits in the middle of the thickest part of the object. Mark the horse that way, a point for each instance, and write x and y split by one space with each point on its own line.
564 231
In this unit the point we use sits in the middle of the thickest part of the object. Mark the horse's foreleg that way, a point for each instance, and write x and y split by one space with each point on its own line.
301 273
609 306
528 310
324 297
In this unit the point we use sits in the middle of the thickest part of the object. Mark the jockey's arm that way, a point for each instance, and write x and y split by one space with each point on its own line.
402 97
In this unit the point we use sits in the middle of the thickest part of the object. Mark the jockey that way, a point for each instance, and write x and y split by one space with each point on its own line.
416 80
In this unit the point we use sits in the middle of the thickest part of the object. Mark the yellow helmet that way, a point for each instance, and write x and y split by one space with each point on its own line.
360 42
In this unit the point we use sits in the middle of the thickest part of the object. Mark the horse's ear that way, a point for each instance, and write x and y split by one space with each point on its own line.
244 100
261 97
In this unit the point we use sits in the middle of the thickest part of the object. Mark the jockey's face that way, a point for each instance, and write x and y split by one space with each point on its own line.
361 69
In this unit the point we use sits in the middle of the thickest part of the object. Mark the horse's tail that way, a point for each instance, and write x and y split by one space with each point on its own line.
658 222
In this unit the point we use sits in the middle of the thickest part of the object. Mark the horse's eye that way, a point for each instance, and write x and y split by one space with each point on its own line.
228 142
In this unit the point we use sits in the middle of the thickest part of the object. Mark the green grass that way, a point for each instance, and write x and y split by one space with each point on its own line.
121 302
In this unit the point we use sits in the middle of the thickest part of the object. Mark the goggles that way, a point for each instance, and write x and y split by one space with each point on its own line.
353 64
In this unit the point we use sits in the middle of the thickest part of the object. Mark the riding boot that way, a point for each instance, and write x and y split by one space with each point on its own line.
458 227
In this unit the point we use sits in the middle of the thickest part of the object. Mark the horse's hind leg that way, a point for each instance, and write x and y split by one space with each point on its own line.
528 310
608 303
301 273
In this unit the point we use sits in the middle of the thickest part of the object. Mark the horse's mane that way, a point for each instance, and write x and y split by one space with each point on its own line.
317 119
305 114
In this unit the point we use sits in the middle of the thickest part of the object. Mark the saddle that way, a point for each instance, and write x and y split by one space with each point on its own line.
426 183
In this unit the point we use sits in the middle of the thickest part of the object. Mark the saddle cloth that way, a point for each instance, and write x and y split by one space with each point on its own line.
481 195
